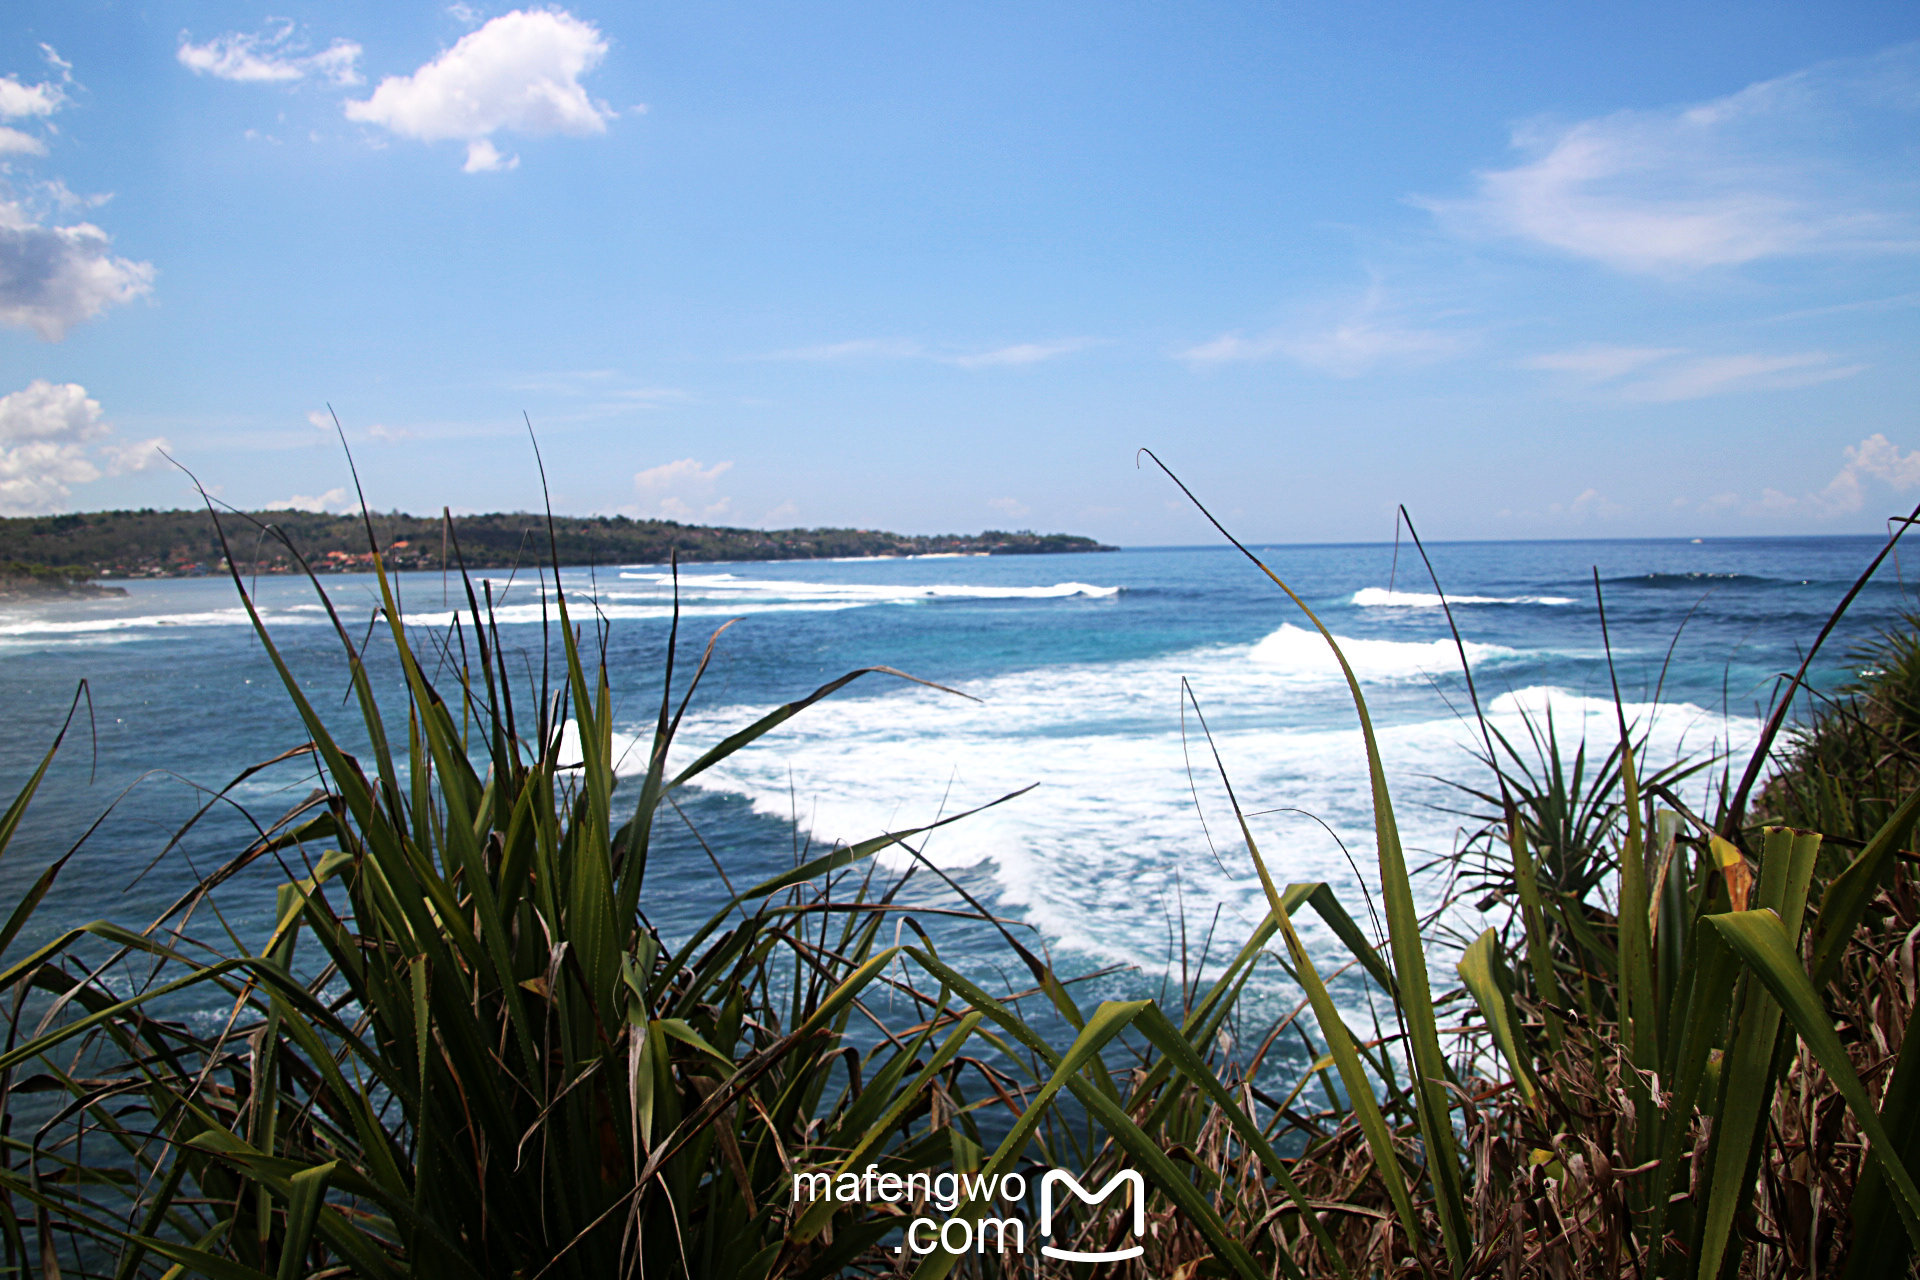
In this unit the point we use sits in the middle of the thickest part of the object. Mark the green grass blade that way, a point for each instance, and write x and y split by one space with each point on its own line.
1360 1088
1880 1246
1761 939
1106 1022
1747 1073
1320 897
1715 970
309 1188
1486 978
1173 1043
10 820
1852 891
1546 986
1432 1104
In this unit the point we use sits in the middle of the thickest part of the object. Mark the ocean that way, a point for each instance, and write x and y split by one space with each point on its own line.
1082 674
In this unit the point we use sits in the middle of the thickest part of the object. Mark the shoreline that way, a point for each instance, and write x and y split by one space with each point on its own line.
28 592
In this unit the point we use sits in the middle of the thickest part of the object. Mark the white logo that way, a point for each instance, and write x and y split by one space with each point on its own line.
1129 1178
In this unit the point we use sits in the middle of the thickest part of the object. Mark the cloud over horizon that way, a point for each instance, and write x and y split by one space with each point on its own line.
52 437
680 490
1875 458
336 500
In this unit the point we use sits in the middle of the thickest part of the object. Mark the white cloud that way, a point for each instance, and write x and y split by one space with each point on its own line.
52 437
331 500
484 157
44 434
19 101
53 277
1021 353
1668 374
1012 355
1345 350
1012 508
1880 458
1875 458
1231 348
1721 375
1588 504
1348 350
338 63
519 73
123 459
1344 339
857 349
671 475
681 490
15 143
275 56
1600 363
1795 165
321 420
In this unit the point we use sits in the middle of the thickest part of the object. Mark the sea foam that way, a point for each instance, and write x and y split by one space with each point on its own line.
1130 826
727 585
1382 598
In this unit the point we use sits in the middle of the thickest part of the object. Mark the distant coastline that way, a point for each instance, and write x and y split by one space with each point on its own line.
36 582
68 554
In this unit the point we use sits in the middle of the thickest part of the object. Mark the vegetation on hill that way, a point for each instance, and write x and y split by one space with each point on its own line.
171 543
19 580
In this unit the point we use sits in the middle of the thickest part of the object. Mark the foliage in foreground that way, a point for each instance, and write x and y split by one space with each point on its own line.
464 1052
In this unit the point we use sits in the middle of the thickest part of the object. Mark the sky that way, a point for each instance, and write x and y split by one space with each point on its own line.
1536 271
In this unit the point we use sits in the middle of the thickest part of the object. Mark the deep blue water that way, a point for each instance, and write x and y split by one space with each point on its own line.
1078 662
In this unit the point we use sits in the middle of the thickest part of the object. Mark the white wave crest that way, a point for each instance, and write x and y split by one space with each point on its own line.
582 607
139 622
1110 848
1380 597
729 586
1298 653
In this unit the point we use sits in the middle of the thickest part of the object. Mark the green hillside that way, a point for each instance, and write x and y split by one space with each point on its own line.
114 544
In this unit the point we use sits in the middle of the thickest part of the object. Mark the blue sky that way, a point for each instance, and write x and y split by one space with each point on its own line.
1535 271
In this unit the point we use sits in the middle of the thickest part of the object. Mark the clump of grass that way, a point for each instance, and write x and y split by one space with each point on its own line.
1851 760
1718 1077
462 1050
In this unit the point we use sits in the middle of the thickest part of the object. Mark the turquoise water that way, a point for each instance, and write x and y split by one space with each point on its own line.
1077 662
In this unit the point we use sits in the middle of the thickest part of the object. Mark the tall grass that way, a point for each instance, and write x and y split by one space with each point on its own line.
462 1050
